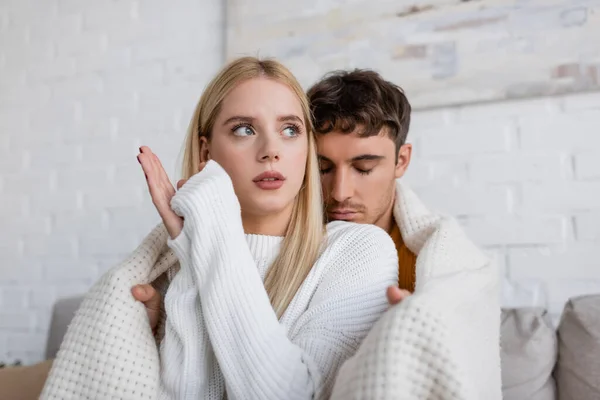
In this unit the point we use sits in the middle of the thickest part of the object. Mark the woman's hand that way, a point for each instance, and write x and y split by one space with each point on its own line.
161 190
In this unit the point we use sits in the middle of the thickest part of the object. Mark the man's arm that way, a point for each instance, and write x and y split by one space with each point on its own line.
151 298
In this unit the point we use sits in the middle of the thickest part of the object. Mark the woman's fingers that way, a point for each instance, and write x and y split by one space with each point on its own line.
161 190
149 162
161 170
143 160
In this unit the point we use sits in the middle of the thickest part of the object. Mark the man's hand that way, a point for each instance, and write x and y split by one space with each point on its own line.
395 295
151 299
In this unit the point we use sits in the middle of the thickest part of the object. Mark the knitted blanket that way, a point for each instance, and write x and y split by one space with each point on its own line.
109 330
443 341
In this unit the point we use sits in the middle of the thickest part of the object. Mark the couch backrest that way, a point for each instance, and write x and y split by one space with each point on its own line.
539 363
578 367
528 355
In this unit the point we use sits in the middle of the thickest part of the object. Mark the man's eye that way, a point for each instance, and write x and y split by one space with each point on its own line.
364 171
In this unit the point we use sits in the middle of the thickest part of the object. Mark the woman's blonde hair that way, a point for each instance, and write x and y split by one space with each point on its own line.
304 235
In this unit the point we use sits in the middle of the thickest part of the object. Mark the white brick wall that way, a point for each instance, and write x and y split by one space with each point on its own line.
82 85
523 178
444 52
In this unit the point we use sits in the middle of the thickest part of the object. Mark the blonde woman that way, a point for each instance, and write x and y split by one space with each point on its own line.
267 302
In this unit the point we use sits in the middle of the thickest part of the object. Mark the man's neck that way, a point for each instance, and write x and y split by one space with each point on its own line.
386 220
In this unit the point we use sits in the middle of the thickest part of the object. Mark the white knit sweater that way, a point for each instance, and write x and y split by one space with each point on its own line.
222 334
443 341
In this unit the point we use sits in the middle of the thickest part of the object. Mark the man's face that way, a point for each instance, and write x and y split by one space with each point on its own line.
358 176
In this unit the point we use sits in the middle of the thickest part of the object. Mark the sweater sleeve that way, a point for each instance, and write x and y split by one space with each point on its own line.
257 357
187 359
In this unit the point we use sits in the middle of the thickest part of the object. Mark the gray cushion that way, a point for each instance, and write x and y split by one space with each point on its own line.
62 314
528 354
578 367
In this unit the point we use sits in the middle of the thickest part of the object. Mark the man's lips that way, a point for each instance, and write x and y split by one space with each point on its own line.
341 211
342 214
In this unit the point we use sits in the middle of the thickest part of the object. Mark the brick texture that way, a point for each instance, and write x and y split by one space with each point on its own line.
535 203
82 86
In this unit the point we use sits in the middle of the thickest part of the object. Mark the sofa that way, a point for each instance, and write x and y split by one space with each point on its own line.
541 363
538 361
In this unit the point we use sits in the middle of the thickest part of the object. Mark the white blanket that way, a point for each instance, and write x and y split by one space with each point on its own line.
443 341
109 351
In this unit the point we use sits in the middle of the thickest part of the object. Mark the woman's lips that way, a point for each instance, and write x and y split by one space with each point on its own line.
269 180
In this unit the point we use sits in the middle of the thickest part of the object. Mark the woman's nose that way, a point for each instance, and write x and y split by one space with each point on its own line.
270 150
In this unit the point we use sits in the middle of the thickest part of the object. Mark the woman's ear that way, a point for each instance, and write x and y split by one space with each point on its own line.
204 152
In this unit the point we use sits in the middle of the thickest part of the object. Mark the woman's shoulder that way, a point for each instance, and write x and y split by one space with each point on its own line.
349 236
356 254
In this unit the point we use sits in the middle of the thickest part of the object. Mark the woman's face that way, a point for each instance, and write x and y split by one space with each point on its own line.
260 139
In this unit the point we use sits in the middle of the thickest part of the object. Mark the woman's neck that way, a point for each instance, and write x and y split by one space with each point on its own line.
270 224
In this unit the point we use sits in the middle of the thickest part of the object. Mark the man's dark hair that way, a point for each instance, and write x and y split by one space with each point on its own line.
346 100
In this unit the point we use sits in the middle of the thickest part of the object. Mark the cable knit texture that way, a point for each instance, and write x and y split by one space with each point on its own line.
443 341
221 335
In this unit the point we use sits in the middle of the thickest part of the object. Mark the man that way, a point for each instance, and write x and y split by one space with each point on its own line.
361 123
442 341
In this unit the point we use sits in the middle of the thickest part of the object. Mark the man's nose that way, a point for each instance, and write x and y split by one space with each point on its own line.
343 188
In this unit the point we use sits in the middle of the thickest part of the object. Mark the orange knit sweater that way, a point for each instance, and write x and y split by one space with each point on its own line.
406 261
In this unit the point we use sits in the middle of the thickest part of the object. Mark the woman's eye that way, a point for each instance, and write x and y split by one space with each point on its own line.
290 131
243 131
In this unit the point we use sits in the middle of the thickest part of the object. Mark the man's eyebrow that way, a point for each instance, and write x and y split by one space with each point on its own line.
367 157
362 157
